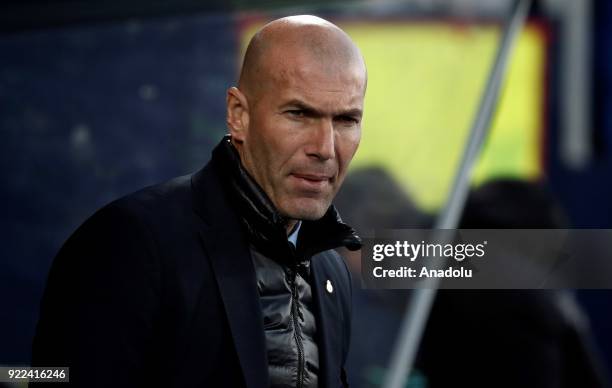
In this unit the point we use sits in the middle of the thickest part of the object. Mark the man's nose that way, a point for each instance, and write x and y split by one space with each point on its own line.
322 143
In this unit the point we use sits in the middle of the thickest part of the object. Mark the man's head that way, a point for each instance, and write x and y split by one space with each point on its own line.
295 117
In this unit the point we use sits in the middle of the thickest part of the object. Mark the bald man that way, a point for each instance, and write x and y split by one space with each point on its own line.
226 277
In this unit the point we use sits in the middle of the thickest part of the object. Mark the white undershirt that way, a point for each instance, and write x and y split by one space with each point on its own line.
294 234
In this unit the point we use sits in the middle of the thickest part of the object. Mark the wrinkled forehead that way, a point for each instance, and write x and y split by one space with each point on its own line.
317 78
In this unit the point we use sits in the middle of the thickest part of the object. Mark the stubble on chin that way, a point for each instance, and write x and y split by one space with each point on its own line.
306 209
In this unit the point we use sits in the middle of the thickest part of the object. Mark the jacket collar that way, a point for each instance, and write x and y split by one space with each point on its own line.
228 252
265 227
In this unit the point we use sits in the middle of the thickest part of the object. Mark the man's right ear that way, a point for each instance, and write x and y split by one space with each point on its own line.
237 114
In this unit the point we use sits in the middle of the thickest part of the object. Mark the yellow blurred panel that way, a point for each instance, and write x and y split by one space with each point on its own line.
515 146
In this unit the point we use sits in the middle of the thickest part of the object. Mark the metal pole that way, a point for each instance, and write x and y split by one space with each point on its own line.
419 306
576 129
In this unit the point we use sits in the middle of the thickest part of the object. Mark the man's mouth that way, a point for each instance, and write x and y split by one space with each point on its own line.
312 182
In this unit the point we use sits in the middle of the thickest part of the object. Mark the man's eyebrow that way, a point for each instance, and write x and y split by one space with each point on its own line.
301 105
356 112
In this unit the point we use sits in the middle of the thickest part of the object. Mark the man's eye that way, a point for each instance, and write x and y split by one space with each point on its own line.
348 120
296 112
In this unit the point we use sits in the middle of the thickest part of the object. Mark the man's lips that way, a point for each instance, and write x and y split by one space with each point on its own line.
312 182
313 177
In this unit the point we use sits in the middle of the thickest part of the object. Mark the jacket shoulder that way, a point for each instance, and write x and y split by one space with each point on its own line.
159 198
128 227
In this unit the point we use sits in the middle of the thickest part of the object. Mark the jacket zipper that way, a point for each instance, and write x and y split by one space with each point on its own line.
297 332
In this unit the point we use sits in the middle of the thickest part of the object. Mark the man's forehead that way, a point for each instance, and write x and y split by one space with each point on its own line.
321 89
319 75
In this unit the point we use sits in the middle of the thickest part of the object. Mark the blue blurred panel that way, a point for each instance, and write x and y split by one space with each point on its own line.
87 114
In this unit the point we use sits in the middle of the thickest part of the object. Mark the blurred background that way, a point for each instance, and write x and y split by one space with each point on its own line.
98 99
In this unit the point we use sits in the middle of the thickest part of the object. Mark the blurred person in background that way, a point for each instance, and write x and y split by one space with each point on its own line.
476 338
372 200
226 277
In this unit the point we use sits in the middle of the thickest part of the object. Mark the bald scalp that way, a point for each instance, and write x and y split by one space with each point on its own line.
274 49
